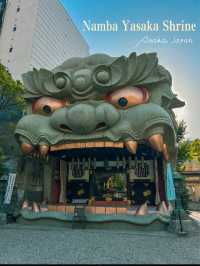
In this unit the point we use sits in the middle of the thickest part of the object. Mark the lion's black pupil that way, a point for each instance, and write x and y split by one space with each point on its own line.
47 109
123 101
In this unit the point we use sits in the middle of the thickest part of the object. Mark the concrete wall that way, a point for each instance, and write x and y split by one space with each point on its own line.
18 60
55 38
45 36
192 171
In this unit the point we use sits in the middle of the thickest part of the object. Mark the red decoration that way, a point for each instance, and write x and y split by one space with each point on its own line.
56 191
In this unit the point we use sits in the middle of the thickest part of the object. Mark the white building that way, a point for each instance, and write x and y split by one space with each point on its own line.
38 33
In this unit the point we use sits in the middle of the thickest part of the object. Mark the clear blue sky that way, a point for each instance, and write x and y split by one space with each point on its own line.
182 60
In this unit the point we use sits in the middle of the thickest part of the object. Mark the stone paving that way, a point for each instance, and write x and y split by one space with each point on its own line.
25 244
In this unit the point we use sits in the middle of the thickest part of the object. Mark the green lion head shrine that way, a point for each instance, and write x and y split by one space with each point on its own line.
99 139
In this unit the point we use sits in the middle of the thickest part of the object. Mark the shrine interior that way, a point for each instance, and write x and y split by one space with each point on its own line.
105 175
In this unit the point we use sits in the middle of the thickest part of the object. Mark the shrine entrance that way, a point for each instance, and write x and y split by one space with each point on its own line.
109 186
98 185
114 178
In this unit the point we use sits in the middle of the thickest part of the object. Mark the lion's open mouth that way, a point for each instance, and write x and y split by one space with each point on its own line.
154 144
82 145
119 153
108 157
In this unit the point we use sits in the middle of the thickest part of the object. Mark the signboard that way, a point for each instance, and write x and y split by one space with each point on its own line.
143 170
9 189
79 201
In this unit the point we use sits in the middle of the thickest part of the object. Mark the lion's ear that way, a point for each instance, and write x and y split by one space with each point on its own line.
176 103
33 83
170 103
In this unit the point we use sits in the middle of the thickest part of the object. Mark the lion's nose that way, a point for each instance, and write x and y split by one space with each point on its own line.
84 118
81 118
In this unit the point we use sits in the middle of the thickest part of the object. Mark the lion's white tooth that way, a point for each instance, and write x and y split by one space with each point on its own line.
44 206
165 152
131 145
35 207
25 204
163 208
142 210
43 150
156 142
170 207
26 148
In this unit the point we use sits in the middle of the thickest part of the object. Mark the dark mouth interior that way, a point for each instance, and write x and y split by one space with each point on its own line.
102 163
105 153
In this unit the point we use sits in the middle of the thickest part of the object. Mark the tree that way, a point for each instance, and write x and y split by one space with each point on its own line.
195 149
181 131
11 106
10 92
2 161
184 153
187 150
183 145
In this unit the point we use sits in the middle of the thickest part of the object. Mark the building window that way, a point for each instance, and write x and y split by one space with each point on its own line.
18 9
11 49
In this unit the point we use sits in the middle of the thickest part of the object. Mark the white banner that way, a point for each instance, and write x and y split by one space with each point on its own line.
9 189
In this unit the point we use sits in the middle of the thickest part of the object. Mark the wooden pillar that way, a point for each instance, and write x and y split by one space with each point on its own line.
63 181
128 184
161 179
48 180
155 171
27 177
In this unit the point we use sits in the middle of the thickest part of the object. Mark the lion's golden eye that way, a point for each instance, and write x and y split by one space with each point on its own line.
128 96
47 105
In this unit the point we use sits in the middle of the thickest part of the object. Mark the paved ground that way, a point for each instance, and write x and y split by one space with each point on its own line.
31 244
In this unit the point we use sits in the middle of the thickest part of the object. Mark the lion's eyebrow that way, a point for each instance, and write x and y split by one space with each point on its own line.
134 70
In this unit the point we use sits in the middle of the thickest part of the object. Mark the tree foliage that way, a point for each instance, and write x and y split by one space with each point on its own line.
2 160
187 149
10 92
183 144
181 131
195 149
11 106
184 153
